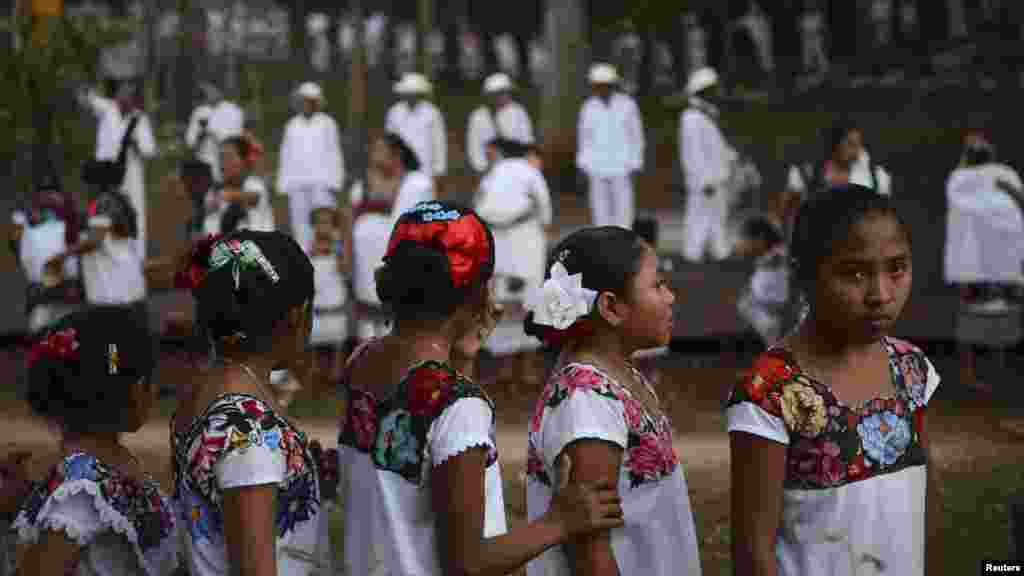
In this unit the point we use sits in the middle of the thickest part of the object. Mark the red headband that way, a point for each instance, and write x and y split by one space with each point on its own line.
463 238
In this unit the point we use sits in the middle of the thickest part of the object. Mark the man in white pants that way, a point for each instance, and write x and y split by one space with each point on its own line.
115 117
706 160
311 168
610 149
503 118
420 124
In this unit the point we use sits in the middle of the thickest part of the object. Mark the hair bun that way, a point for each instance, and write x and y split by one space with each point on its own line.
414 274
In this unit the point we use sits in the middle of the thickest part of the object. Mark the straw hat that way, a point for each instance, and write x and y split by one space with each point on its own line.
603 74
497 83
701 79
413 84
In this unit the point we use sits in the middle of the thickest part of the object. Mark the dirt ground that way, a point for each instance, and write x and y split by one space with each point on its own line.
971 436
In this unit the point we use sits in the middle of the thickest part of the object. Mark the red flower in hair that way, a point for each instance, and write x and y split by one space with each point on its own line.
60 345
199 264
555 337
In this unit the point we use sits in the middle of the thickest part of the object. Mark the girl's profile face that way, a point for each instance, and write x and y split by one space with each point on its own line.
649 324
866 281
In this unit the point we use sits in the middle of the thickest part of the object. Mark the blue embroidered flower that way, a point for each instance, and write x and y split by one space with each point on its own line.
885 436
201 524
295 504
396 445
272 439
80 467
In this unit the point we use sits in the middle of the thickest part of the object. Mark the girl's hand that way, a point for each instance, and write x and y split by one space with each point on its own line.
579 509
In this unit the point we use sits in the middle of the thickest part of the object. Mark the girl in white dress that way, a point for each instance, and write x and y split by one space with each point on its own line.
828 437
602 301
420 479
244 200
246 482
98 512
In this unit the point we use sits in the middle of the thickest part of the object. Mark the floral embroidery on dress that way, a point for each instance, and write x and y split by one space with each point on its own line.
232 425
393 431
650 455
138 502
833 444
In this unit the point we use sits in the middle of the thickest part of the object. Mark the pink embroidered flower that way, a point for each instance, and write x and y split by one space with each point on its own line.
649 459
205 454
902 346
538 415
534 464
911 369
364 422
897 408
633 412
877 405
583 380
832 469
818 462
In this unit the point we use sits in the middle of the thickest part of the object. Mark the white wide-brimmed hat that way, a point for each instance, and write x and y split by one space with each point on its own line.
701 79
497 83
413 84
310 90
603 74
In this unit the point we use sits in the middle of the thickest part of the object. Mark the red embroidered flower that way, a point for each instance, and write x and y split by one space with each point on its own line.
633 412
852 420
772 403
253 408
428 390
877 405
773 369
832 469
857 469
649 458
919 421
538 411
364 422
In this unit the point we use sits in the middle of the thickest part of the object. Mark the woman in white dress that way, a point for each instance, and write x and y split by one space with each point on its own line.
246 484
243 202
98 512
515 202
602 302
828 433
420 479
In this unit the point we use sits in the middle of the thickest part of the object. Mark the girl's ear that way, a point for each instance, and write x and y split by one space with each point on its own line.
611 308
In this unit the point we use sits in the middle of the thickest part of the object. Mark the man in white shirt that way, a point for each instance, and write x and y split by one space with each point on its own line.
115 116
610 149
420 124
311 169
213 122
502 118
706 159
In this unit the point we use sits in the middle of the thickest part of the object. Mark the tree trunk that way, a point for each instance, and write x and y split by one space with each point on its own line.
424 25
298 45
561 93
357 149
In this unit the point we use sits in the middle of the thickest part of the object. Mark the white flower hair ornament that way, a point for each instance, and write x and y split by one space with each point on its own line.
562 300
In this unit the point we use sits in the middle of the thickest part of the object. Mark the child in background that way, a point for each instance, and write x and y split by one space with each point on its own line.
602 301
243 202
765 304
98 512
829 442
40 233
330 314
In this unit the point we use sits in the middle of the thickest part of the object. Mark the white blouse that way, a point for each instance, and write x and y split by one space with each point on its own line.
387 449
113 273
854 492
124 526
578 402
240 441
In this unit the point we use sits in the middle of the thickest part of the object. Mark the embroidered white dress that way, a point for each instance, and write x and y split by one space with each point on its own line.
386 451
854 492
330 322
240 441
113 274
124 526
581 402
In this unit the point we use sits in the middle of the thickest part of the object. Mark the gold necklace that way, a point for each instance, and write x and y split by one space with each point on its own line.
637 377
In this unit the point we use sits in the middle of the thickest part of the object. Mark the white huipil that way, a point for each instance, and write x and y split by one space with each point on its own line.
422 128
610 149
224 120
311 166
112 126
515 201
706 159
985 228
511 122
